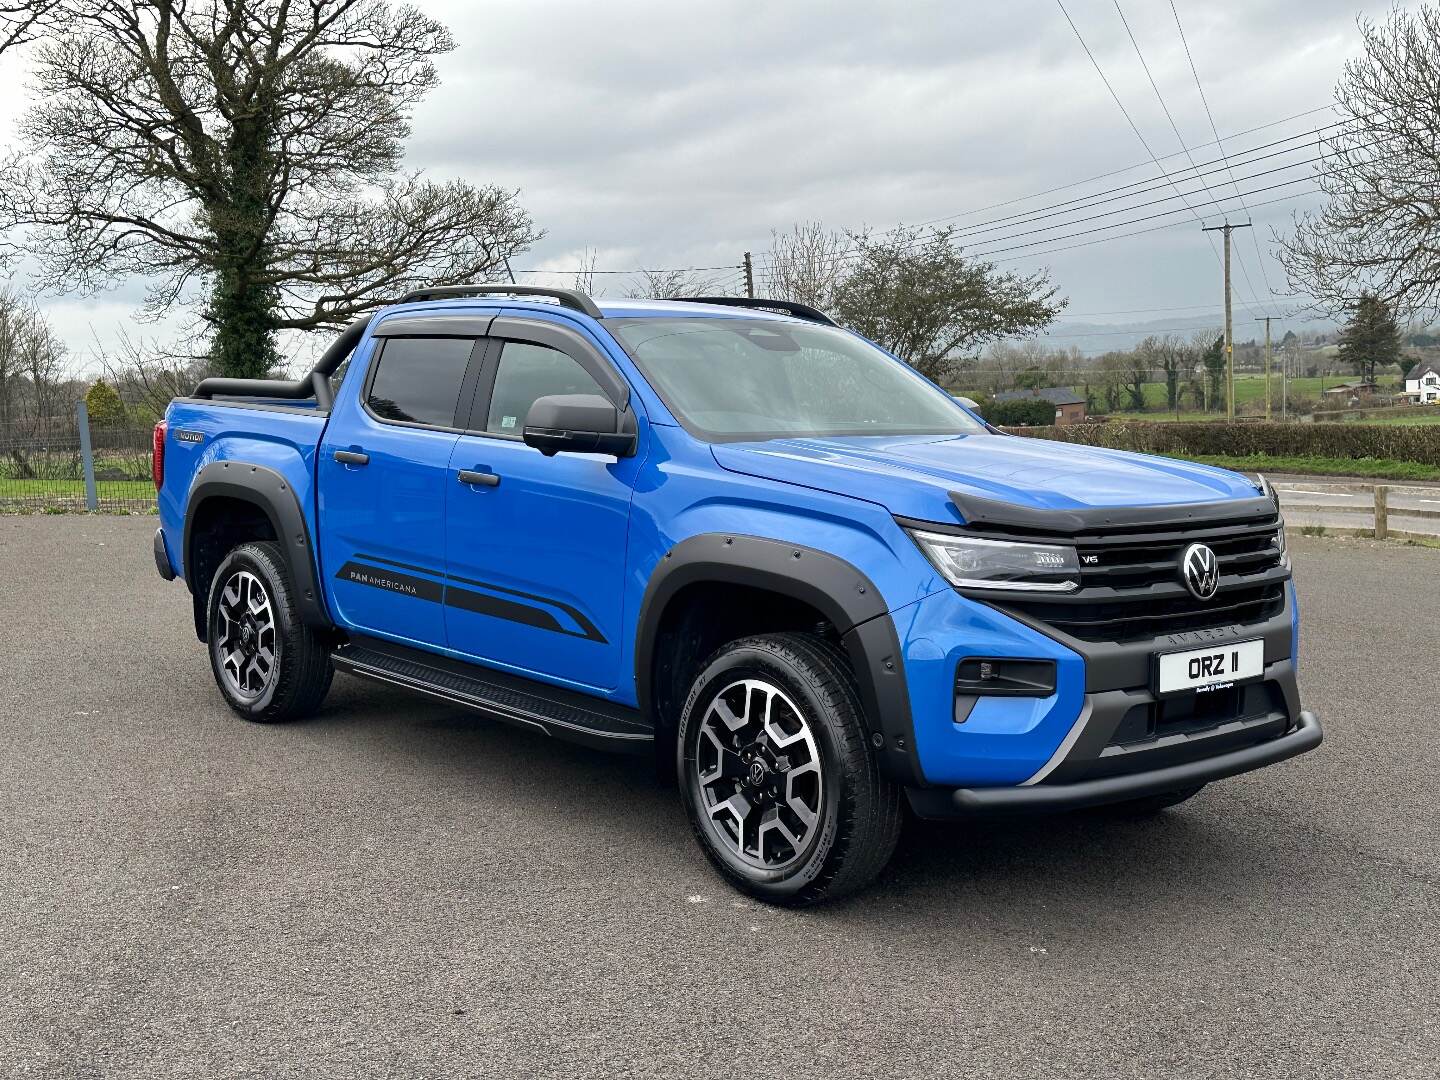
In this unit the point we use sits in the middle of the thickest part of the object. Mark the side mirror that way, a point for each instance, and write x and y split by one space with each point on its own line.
579 424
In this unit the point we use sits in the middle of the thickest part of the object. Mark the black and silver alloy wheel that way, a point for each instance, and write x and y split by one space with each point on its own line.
777 772
268 664
246 644
759 773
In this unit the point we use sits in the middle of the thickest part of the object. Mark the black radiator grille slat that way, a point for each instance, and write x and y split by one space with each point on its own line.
1130 585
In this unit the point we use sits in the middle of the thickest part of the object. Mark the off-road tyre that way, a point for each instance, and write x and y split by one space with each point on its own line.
815 712
253 587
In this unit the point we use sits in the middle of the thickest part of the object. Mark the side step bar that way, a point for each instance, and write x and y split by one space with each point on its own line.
562 713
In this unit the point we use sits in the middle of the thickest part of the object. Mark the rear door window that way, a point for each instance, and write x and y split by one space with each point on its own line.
418 380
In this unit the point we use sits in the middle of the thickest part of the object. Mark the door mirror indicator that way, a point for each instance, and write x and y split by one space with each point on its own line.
579 424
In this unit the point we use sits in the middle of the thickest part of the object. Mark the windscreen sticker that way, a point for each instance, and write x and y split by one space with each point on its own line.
507 422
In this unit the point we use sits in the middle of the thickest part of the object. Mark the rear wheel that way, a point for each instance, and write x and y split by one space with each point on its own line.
779 782
269 665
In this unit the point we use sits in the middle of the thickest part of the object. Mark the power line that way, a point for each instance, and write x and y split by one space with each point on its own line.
1151 229
1215 131
1161 98
1132 168
1133 206
1117 224
1099 71
1108 195
1100 198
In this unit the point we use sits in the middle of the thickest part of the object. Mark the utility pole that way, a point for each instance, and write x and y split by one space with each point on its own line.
749 267
1266 321
1227 229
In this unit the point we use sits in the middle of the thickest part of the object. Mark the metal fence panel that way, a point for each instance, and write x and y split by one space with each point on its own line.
42 467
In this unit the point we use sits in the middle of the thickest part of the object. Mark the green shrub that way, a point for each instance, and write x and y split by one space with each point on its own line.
104 404
1397 442
1024 412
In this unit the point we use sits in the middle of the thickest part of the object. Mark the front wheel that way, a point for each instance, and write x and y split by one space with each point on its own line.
782 790
268 664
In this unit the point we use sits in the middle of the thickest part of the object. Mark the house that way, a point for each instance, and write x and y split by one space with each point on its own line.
1069 406
1351 390
1423 383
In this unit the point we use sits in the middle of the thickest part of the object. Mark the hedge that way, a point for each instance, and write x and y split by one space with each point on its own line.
1396 442
1020 412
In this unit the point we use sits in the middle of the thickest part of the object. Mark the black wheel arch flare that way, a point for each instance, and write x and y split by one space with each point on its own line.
843 594
273 495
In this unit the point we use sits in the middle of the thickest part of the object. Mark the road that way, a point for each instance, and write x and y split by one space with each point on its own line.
401 889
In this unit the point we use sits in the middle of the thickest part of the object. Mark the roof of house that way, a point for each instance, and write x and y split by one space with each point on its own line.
1419 371
1056 395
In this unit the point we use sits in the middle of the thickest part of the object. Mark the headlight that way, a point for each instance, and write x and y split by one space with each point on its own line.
971 563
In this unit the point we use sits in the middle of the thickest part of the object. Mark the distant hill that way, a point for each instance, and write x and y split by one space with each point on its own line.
1094 338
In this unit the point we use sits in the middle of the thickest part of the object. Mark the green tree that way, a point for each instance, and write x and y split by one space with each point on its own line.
1407 365
248 151
104 404
1214 360
1370 339
918 295
1032 378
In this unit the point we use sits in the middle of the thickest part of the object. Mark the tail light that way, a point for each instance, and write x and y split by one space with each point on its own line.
157 455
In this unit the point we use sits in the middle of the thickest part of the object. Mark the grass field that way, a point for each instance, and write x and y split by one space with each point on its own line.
53 496
1249 390
1430 416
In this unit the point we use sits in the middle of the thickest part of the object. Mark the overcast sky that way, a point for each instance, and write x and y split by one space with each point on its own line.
679 135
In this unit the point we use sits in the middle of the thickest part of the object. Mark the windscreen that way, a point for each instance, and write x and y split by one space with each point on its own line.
761 378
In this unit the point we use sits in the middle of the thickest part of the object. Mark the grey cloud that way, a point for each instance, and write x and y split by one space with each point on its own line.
672 134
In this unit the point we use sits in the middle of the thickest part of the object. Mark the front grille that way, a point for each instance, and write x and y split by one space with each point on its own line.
1130 585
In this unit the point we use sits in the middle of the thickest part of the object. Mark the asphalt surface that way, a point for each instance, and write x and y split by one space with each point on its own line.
398 888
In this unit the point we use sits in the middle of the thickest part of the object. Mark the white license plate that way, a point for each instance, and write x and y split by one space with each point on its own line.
1198 669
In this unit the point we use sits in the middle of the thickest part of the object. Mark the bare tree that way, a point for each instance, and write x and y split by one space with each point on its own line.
1379 233
35 387
664 285
251 147
918 295
1110 379
1167 355
148 374
20 20
585 275
806 264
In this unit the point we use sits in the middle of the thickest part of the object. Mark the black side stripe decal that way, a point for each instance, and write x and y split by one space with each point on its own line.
379 578
467 599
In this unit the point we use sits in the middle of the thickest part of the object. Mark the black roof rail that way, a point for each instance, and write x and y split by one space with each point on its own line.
784 307
570 298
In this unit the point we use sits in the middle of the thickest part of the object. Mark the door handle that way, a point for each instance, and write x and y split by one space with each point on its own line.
352 457
481 479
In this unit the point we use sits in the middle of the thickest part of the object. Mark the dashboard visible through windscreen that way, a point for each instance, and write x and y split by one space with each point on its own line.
733 379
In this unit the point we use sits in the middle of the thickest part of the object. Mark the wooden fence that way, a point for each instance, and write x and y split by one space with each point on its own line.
1371 500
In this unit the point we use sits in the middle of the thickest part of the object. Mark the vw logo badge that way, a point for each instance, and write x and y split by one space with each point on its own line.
1200 570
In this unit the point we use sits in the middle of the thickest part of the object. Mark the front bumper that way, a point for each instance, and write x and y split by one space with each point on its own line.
1043 798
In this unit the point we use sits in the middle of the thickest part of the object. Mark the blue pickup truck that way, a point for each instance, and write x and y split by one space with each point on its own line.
735 536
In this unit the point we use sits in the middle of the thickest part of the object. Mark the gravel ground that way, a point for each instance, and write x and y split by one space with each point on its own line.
397 888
